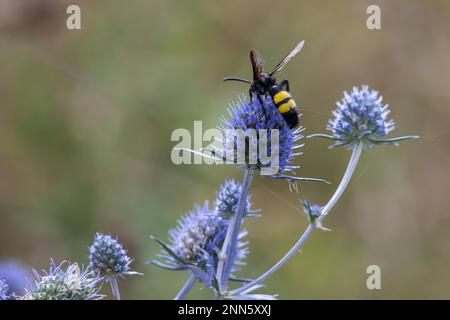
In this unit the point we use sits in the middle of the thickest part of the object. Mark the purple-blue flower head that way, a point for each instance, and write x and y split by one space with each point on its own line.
360 116
196 242
65 283
227 198
250 117
313 211
4 290
108 258
16 276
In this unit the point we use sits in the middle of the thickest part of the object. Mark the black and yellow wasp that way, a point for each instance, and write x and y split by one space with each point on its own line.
264 84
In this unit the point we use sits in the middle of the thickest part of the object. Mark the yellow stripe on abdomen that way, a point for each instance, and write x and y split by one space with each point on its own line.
280 96
285 107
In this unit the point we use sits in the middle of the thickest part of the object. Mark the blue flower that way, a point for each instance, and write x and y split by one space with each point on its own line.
196 242
4 290
313 212
60 283
227 198
108 258
250 117
16 276
361 117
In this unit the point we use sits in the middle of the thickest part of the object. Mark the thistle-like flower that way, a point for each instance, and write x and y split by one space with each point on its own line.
60 283
248 118
196 242
16 276
227 198
108 259
4 290
361 117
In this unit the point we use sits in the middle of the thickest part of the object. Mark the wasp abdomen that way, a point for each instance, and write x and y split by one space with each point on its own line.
283 101
285 105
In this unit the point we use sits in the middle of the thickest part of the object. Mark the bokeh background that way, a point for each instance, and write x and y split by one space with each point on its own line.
86 119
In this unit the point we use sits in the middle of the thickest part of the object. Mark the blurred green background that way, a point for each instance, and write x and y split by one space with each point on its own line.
86 119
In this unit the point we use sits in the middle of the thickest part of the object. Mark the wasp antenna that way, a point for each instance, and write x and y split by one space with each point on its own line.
236 79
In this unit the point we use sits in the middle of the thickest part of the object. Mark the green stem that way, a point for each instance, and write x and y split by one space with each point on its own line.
356 153
229 248
115 288
186 287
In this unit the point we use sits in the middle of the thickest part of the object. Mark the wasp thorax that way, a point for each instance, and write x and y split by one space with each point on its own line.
263 83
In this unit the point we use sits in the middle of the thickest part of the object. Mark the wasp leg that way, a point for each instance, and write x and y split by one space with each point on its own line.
255 93
251 92
285 84
263 104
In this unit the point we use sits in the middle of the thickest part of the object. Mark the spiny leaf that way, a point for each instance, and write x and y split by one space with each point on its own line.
392 140
294 178
322 135
170 252
163 265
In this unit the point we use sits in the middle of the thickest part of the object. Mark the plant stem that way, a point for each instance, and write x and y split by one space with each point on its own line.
186 287
230 243
115 288
356 153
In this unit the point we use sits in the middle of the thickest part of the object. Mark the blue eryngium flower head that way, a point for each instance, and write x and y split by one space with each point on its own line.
361 117
108 258
65 281
314 212
16 276
250 117
4 290
196 242
227 198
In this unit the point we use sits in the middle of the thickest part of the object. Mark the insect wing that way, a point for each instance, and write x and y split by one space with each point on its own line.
286 59
257 63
